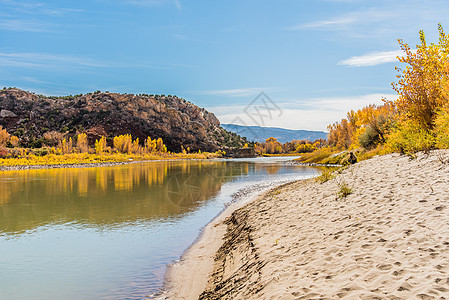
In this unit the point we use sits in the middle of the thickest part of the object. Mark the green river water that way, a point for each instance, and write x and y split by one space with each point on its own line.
109 232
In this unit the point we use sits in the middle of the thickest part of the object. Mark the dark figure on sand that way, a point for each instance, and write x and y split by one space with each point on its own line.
352 159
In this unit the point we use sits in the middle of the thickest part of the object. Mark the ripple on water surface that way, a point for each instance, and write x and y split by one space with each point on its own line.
109 232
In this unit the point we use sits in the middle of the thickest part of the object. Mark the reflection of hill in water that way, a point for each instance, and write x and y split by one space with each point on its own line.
108 196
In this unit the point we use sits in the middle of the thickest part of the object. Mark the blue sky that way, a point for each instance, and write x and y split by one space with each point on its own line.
314 59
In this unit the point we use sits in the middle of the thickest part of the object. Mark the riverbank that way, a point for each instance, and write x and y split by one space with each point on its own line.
90 161
188 278
387 238
59 166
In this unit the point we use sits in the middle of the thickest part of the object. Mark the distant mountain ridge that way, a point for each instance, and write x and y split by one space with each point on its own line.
260 134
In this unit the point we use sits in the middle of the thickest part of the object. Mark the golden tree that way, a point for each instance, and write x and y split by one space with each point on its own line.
421 83
272 145
150 145
53 137
100 145
123 143
4 136
160 147
14 141
135 146
81 143
421 94
65 146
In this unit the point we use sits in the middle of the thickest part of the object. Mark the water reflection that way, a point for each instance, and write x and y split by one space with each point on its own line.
112 230
108 195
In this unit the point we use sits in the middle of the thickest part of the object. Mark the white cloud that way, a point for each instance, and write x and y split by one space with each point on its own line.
309 114
372 59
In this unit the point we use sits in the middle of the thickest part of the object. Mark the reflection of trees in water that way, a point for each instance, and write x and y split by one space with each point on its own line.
5 195
109 195
269 169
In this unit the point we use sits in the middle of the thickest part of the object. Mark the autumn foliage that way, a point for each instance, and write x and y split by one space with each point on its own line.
4 136
82 143
419 119
367 127
273 146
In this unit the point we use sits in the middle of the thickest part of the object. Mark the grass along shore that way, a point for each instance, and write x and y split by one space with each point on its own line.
377 229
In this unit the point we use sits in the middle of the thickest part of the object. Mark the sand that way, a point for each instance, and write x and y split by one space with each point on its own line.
389 239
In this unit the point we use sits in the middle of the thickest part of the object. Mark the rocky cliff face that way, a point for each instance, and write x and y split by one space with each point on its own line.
175 120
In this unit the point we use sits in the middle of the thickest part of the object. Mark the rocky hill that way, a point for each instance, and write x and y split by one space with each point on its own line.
177 121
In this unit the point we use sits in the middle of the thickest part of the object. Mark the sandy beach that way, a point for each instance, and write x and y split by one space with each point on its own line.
388 239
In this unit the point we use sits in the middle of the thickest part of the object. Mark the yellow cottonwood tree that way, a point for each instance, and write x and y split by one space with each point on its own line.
150 145
4 136
421 94
123 143
65 146
160 147
14 141
81 143
421 83
100 145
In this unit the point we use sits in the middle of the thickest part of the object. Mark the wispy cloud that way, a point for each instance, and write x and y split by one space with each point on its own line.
235 92
22 4
381 20
323 23
34 80
339 104
372 59
50 61
348 20
145 2
150 3
24 26
178 6
46 61
28 16
310 114
36 7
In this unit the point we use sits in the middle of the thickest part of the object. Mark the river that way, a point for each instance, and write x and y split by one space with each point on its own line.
109 232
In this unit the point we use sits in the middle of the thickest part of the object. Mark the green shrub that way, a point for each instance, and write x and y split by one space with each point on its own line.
410 138
326 175
40 152
344 190
336 159
370 138
316 156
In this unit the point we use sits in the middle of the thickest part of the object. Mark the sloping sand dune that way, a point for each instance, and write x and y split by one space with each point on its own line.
389 239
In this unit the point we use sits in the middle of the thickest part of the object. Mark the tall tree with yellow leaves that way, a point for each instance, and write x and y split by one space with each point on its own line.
81 143
421 83
100 146
421 94
4 136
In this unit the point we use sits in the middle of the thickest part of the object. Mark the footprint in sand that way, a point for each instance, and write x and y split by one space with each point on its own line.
399 272
384 267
